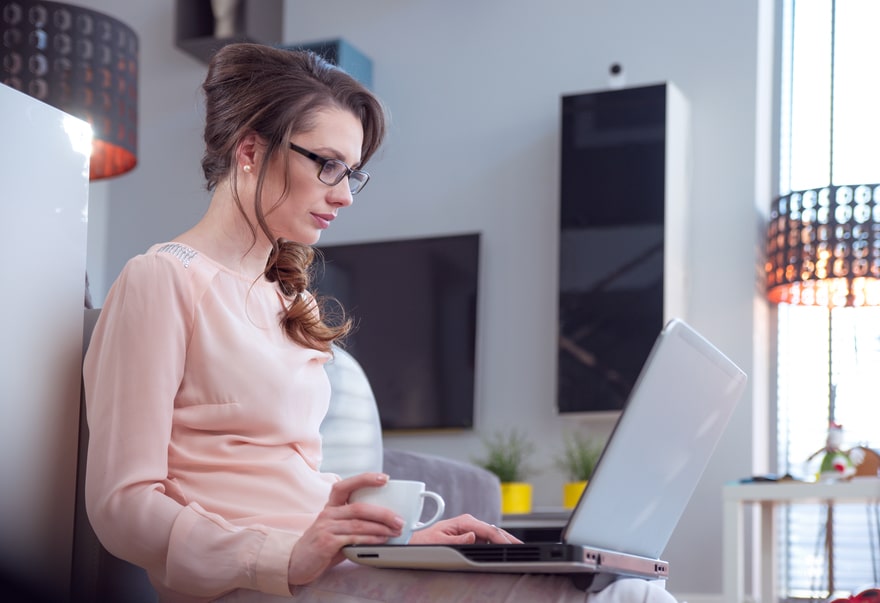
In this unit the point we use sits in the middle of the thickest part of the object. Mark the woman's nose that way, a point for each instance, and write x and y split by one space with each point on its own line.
340 194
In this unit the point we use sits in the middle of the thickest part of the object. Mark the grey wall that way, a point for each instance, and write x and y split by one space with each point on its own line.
473 90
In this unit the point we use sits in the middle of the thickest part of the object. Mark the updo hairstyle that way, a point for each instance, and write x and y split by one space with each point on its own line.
276 93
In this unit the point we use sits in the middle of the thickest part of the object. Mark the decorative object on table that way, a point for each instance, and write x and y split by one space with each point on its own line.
870 465
507 456
871 595
837 463
82 62
578 460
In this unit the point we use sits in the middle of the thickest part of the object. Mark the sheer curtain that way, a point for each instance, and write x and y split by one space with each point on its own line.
828 361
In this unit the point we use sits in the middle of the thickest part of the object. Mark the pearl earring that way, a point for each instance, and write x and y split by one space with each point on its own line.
247 169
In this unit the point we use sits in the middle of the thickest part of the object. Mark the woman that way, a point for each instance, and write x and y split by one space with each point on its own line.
205 380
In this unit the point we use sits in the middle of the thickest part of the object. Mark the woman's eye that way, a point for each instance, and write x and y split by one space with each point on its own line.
334 169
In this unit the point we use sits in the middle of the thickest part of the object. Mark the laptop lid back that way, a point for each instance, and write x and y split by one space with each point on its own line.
662 442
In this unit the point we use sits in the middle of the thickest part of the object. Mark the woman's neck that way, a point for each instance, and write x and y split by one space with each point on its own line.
223 234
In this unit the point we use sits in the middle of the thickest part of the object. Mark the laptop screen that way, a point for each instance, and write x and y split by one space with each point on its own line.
672 421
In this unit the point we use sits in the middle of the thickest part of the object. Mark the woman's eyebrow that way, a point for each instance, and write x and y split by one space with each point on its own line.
332 153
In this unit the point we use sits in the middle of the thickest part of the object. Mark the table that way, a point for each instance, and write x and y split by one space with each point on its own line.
767 495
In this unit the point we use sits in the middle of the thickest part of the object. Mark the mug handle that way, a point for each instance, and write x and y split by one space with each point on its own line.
441 506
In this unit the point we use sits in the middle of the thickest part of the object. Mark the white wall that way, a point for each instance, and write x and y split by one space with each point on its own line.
473 90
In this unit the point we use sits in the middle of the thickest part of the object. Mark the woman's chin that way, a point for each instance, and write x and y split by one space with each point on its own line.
303 238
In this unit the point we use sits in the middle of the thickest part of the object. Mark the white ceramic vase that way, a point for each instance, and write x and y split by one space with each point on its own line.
225 17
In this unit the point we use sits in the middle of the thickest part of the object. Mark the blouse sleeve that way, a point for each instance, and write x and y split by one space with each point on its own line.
133 369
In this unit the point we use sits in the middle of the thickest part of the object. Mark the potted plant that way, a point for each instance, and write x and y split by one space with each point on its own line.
578 460
507 456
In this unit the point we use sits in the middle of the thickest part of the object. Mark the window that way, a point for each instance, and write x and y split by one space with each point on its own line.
804 410
828 360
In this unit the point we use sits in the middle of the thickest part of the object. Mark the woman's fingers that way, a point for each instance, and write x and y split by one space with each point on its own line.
335 527
464 527
483 531
344 518
367 522
342 523
500 536
343 489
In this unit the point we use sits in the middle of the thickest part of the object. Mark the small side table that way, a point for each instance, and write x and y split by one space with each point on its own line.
767 495
541 525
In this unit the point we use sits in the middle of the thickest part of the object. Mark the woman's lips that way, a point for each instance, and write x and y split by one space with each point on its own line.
323 220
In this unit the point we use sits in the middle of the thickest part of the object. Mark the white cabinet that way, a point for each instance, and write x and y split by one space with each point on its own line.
623 228
44 170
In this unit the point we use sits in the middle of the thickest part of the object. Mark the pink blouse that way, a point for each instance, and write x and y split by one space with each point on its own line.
204 451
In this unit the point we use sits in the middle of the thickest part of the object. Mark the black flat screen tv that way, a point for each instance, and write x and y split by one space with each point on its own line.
414 303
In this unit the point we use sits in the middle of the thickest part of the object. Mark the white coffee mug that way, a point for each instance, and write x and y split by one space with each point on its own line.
405 498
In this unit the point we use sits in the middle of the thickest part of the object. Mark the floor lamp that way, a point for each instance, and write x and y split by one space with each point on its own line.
823 249
823 240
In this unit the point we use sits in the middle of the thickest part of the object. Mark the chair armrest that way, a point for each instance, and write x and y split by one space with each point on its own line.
465 487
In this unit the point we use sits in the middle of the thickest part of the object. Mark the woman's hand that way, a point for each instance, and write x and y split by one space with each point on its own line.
340 524
464 529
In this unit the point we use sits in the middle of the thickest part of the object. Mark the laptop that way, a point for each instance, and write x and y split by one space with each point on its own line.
656 454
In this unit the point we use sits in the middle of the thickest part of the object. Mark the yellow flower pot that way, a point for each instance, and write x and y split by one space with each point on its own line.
516 498
571 493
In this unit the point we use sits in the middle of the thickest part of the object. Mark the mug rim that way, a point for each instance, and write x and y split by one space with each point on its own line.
404 481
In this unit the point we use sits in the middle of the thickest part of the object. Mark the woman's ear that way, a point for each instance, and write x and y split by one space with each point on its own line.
247 155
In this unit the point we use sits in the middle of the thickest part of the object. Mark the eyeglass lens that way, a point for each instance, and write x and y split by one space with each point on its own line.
334 171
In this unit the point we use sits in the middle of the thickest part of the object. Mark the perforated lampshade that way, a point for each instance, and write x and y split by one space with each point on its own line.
823 238
82 62
823 247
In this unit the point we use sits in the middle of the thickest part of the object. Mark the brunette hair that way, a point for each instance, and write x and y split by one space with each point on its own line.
275 93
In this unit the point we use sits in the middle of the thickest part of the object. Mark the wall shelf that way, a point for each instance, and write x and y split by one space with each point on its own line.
343 55
261 22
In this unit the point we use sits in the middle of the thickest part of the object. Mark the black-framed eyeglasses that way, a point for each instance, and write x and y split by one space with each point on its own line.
333 171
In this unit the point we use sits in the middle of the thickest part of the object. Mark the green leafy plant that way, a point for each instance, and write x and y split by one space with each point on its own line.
579 456
507 456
